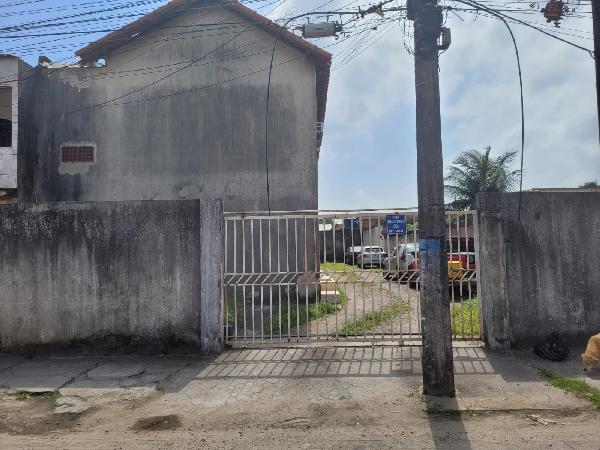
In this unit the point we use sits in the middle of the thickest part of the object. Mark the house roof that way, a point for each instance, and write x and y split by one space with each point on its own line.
100 48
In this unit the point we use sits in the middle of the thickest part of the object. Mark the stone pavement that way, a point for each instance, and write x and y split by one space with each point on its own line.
274 388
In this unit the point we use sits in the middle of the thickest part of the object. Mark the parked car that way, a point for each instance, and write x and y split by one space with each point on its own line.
371 256
400 259
463 250
351 255
461 259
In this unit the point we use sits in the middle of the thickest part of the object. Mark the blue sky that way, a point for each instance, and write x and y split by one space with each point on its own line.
368 158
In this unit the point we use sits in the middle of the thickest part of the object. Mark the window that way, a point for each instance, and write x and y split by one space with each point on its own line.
77 154
6 117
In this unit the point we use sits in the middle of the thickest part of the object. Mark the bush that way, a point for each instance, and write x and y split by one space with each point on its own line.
465 319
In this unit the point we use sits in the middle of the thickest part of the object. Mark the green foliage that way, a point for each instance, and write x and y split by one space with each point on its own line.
301 314
54 398
589 184
574 385
349 272
474 172
21 395
235 303
336 267
465 318
373 319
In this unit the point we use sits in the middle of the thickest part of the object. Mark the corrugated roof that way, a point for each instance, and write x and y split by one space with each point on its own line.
102 47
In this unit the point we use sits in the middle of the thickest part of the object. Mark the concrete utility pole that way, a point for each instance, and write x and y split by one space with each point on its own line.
437 359
596 22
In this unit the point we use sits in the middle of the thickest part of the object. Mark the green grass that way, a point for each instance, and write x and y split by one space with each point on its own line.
301 314
350 273
337 267
232 308
373 319
21 395
53 400
575 386
465 318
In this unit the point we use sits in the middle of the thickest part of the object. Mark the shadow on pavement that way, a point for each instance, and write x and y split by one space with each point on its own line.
446 425
171 373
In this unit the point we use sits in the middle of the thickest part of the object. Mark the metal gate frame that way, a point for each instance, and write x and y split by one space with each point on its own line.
284 281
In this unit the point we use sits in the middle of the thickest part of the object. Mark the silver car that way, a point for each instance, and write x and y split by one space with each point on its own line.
351 255
400 260
371 256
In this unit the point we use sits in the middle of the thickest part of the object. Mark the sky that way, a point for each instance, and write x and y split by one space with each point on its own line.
368 156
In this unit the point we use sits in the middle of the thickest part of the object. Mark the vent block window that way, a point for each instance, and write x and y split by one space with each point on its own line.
77 154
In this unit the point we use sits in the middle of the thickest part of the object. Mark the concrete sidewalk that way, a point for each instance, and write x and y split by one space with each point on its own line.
237 397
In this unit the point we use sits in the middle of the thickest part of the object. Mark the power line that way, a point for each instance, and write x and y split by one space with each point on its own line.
516 47
51 23
501 15
168 38
267 109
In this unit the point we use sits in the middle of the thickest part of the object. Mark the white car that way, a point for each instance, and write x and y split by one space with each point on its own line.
371 256
400 260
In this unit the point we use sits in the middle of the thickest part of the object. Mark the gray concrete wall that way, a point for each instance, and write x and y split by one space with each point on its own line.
126 272
540 272
182 133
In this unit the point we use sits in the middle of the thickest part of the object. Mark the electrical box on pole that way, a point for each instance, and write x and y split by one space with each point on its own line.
320 30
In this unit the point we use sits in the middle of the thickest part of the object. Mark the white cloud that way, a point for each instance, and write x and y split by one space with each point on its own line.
369 130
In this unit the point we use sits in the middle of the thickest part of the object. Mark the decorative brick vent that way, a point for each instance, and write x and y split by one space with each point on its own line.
77 154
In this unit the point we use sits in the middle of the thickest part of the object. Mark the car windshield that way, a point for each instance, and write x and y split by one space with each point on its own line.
411 248
373 250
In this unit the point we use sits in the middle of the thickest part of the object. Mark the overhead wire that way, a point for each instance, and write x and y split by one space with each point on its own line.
367 44
168 38
506 17
501 17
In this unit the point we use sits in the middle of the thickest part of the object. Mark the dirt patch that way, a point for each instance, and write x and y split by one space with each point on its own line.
157 423
34 416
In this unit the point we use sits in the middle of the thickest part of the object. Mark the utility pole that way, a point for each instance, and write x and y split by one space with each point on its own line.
596 22
437 359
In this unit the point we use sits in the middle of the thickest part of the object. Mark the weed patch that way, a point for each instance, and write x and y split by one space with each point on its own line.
373 319
465 318
576 386
21 395
297 315
348 272
53 400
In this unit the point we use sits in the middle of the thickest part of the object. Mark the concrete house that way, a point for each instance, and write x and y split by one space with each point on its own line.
10 67
172 106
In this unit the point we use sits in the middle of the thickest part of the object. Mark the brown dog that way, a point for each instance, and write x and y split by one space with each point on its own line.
592 353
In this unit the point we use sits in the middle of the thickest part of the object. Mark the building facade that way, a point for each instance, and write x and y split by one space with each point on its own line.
10 68
173 106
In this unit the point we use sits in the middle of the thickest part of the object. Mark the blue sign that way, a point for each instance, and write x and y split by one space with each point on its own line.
351 224
396 224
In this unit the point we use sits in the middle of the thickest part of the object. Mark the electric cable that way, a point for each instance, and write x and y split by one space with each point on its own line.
516 47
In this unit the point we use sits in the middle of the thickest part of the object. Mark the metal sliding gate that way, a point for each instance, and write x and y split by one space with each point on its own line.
339 276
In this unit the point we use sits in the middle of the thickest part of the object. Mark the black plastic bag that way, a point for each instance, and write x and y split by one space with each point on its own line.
553 348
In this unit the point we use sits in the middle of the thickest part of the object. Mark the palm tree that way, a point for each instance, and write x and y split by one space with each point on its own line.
475 171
